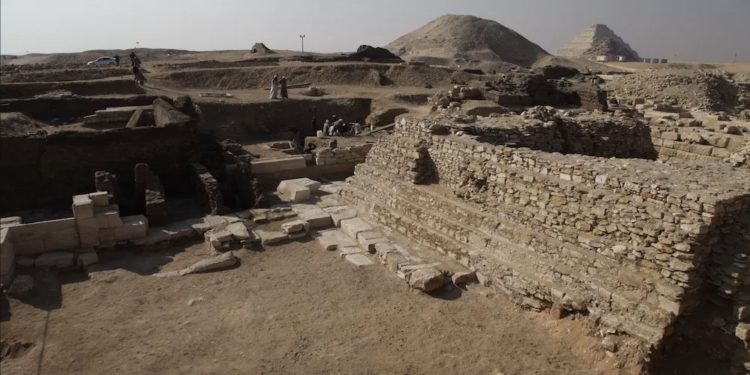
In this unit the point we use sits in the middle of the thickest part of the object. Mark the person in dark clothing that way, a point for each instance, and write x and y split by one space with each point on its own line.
314 125
117 60
283 88
138 75
134 60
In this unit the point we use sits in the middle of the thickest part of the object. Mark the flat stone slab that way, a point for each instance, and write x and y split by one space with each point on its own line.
352 227
317 219
295 227
344 251
368 239
312 185
239 231
340 213
334 240
270 238
359 260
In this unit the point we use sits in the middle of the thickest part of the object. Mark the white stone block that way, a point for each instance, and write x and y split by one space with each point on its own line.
83 207
295 227
359 260
354 226
100 198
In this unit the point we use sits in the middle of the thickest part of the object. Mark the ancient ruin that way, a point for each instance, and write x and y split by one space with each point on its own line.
594 215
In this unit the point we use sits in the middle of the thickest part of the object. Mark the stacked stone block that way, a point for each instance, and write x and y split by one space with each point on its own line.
627 241
348 155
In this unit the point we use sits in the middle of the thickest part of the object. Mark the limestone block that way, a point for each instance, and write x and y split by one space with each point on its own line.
83 207
100 198
306 182
296 193
317 219
354 226
107 237
262 166
133 227
463 278
59 259
427 279
334 240
340 213
295 227
359 260
270 238
239 231
87 259
108 217
368 239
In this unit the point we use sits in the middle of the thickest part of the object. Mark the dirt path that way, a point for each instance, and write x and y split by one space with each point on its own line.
292 309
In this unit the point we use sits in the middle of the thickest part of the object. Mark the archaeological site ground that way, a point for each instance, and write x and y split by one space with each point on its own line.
487 210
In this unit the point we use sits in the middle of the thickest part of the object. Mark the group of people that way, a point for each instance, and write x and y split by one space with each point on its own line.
337 126
279 88
136 64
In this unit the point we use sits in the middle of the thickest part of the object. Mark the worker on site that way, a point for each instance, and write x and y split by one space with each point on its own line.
275 87
283 89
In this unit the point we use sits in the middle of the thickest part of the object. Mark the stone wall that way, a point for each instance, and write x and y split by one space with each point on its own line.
627 242
679 143
46 169
248 122
345 155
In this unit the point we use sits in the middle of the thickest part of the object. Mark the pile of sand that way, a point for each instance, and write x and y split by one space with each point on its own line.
466 41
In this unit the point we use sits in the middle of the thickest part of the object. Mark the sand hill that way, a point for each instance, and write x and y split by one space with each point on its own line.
598 40
466 41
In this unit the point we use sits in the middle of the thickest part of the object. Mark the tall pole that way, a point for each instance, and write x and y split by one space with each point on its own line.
302 37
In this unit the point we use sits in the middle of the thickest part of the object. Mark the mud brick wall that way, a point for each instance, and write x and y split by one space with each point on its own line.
47 170
246 122
630 242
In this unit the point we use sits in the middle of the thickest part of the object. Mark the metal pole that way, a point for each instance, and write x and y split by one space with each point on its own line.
302 37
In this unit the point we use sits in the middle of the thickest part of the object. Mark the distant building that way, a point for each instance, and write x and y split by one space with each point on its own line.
602 58
664 61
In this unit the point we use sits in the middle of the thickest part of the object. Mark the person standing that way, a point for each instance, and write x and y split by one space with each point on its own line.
117 60
275 87
134 60
283 89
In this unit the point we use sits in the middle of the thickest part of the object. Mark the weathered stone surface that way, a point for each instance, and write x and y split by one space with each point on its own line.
317 219
352 227
295 227
359 260
219 262
340 213
427 279
59 259
270 238
463 278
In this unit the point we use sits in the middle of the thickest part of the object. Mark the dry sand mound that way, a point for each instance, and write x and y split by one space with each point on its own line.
466 41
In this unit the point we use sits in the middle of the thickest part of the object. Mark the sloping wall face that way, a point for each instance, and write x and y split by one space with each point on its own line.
628 242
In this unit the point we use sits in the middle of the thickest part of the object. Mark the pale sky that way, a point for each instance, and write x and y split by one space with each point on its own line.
695 30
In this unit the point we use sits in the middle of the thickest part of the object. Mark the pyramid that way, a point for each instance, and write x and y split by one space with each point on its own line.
598 40
466 41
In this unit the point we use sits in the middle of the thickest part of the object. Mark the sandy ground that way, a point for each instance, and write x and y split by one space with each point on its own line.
292 309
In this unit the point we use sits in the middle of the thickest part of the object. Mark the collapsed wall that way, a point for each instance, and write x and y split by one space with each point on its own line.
628 242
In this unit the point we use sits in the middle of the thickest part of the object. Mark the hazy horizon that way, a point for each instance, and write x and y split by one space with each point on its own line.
689 30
